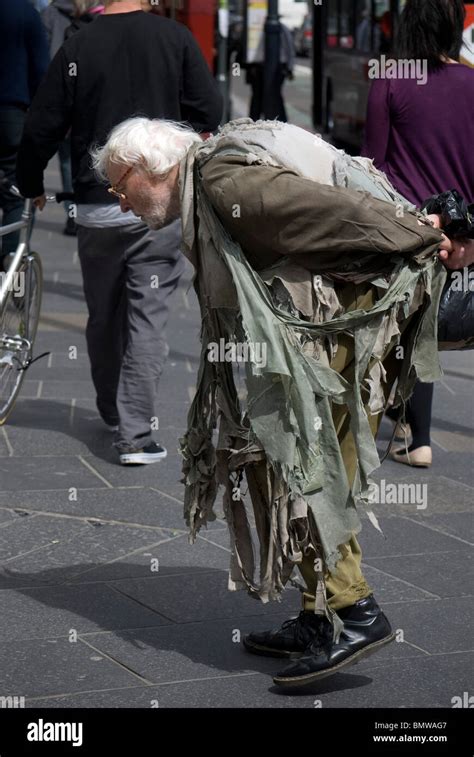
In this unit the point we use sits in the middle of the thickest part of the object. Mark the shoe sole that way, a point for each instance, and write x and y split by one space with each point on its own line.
397 459
269 651
310 677
144 459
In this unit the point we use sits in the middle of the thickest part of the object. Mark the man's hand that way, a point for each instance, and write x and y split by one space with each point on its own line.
435 220
40 202
456 253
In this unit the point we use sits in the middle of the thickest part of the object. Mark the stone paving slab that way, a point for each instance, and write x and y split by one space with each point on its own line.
459 525
26 538
60 441
436 626
170 556
6 517
42 473
431 681
446 574
81 548
163 476
388 587
200 596
52 611
57 666
133 504
129 505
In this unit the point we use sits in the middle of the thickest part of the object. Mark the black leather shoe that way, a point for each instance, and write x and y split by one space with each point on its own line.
366 629
291 640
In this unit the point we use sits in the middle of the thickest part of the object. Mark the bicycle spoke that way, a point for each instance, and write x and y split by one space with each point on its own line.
18 325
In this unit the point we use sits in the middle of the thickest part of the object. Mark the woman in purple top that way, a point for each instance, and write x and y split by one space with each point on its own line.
420 132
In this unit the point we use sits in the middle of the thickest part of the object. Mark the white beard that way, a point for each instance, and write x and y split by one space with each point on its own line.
159 220
153 223
153 220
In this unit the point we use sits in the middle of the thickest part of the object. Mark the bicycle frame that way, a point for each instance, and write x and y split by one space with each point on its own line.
23 247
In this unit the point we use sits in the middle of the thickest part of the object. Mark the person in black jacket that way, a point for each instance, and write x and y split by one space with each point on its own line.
126 63
56 18
24 59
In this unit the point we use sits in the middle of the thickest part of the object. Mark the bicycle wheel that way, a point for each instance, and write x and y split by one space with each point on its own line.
18 325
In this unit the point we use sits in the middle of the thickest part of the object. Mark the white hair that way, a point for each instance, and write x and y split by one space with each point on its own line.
156 144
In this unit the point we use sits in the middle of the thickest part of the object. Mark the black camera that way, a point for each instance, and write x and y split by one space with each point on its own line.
457 218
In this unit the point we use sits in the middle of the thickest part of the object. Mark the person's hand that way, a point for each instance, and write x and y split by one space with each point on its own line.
453 253
456 253
435 220
40 202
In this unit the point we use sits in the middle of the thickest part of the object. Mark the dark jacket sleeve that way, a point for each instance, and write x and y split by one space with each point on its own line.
37 47
47 123
272 211
200 99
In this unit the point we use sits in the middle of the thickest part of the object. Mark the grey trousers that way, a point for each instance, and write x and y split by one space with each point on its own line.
127 317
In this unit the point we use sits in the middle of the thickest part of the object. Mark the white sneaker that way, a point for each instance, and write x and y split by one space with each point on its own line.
149 454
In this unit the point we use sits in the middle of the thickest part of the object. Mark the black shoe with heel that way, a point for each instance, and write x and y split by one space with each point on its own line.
366 629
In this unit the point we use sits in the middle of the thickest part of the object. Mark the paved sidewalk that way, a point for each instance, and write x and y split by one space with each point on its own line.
86 619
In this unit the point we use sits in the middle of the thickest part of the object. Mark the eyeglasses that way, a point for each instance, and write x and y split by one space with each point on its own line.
113 190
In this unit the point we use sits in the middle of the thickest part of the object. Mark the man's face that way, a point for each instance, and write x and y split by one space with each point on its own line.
153 199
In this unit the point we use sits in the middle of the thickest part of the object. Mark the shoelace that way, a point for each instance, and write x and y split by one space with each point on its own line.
300 623
322 640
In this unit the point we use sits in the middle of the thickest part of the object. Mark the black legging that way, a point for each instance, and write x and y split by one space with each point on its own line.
418 415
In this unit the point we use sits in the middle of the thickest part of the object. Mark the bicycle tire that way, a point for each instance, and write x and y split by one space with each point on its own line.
24 313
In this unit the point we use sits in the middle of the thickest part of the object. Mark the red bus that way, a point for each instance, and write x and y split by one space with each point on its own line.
200 18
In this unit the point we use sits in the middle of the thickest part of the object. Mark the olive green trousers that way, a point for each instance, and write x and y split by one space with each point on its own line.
346 584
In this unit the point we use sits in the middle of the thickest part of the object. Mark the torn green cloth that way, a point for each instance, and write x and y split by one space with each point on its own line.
284 441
